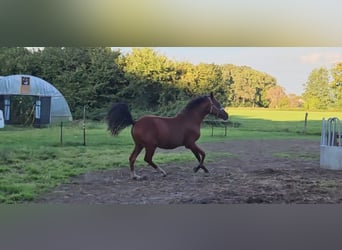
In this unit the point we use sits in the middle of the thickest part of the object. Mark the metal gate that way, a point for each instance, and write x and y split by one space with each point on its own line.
331 147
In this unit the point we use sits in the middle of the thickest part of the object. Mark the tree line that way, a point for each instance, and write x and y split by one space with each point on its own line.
323 89
146 80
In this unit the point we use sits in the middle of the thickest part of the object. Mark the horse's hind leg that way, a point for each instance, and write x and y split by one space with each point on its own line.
136 151
148 158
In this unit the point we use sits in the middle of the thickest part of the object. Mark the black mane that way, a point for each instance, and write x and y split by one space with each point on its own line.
194 103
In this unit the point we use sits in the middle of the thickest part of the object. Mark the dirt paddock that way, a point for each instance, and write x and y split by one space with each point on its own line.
255 171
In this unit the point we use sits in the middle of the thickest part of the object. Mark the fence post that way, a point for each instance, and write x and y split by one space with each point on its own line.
305 122
84 129
61 134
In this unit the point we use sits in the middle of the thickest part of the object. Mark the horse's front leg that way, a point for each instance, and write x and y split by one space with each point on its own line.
200 156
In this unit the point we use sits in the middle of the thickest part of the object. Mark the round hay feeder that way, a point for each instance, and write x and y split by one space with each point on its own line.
331 147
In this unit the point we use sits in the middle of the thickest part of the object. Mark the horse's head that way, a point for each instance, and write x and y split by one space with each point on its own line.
216 108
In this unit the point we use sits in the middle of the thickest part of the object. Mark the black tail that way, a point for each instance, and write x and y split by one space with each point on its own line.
119 117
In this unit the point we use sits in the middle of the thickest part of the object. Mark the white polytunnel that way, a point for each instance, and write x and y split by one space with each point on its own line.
31 100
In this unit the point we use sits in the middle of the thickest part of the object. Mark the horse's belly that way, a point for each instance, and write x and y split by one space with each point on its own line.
170 146
173 139
170 142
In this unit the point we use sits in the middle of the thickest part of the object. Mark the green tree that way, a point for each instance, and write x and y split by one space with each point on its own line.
202 79
143 78
210 80
275 95
227 82
336 84
86 76
18 60
150 76
265 82
188 76
248 86
317 92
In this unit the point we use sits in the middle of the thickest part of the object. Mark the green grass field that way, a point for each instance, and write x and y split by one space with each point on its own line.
33 161
280 121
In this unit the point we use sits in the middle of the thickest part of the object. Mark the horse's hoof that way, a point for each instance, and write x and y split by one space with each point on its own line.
196 169
139 178
162 171
205 169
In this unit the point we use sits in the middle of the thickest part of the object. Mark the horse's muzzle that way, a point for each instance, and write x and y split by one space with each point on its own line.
223 115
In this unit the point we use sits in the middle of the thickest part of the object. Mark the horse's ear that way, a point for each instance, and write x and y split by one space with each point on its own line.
211 95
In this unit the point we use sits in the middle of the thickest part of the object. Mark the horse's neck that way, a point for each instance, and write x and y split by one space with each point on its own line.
194 117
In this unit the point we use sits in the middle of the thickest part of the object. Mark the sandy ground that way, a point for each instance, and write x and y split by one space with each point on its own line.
257 171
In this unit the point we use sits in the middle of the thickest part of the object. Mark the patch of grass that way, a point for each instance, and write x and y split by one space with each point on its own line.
4 169
270 120
296 155
329 184
12 192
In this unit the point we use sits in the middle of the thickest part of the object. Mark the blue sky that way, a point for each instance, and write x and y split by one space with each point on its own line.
291 66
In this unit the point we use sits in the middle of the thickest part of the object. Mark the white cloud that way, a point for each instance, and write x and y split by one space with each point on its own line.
321 58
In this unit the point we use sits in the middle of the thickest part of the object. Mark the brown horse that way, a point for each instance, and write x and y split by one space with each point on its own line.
150 132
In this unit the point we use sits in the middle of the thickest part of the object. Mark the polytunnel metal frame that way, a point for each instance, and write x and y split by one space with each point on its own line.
49 104
331 147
